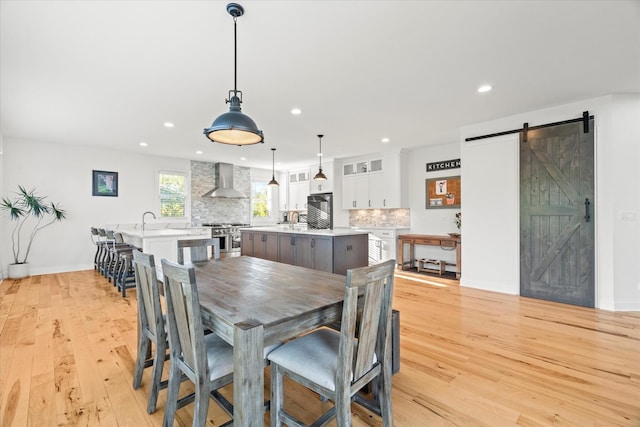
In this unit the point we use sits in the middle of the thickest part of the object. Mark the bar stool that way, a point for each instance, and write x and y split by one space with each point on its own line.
124 277
104 250
119 265
115 246
96 238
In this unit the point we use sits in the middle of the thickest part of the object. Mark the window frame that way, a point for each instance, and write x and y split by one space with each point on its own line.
187 196
259 175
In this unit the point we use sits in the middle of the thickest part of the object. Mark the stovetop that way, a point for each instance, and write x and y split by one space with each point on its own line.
218 225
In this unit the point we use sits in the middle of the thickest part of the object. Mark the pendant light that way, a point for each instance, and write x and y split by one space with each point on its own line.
234 127
320 176
273 181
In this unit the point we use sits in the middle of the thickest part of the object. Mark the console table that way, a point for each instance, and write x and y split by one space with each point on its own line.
445 242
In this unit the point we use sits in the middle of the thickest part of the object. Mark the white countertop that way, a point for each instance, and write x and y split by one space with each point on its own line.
346 231
391 227
166 232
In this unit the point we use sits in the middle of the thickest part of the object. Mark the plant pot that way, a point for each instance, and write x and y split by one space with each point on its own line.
18 271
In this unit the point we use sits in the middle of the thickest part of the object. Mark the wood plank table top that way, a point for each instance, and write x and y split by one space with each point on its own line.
253 302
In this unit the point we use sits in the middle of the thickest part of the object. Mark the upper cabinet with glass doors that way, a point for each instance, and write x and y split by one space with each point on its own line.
374 181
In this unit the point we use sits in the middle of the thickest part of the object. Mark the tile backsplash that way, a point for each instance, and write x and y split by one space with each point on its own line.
210 210
380 218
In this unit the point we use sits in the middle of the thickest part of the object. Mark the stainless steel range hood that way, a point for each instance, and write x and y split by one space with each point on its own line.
223 174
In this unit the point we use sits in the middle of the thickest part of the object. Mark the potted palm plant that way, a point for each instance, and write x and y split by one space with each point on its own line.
31 214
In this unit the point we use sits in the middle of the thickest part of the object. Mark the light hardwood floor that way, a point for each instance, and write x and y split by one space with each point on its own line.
468 358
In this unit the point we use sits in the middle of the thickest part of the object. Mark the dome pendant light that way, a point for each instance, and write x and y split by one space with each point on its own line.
320 176
273 181
234 127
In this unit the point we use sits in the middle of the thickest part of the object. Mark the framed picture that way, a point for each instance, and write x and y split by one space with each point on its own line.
443 193
105 183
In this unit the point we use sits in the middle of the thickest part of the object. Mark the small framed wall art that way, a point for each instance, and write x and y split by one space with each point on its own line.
105 183
443 193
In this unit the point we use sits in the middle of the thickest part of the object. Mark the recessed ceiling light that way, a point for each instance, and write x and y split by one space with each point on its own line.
168 124
243 158
484 88
143 144
319 154
199 152
385 140
296 111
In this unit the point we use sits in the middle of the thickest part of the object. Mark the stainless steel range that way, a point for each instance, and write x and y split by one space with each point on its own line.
229 235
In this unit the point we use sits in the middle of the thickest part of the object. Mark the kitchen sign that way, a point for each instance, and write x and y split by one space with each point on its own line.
443 165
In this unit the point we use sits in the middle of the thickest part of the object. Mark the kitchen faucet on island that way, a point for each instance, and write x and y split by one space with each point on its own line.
143 215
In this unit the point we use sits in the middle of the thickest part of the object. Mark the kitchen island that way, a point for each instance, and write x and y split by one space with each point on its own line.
334 251
162 243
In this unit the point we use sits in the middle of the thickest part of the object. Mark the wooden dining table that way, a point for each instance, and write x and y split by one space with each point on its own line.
251 303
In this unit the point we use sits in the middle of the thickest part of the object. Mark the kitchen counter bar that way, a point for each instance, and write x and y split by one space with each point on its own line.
334 251
342 231
162 243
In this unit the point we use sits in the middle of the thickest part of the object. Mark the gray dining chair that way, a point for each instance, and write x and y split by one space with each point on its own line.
151 327
198 249
204 359
337 365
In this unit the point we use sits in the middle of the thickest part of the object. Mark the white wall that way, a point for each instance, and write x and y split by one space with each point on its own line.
63 174
431 221
624 164
490 202
617 197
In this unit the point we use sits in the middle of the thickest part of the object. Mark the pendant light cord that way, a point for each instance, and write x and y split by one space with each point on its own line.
235 55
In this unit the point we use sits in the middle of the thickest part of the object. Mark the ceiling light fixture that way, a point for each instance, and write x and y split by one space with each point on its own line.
484 88
320 176
234 127
273 181
296 111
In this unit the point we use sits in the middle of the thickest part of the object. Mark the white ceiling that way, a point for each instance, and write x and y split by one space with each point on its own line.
110 73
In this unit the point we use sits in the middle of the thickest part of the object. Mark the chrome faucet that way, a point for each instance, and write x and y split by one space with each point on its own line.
143 215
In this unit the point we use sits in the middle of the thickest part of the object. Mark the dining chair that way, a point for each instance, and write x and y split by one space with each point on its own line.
151 327
198 249
337 365
206 360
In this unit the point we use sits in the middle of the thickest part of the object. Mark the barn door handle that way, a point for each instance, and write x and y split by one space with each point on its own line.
587 203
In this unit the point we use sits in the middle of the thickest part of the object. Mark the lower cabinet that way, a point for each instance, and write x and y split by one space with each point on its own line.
350 252
287 248
334 254
314 252
260 244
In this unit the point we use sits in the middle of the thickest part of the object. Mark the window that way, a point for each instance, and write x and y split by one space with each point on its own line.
173 194
261 199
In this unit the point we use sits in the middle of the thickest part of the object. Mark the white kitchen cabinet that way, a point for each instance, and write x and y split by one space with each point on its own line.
383 243
283 191
355 191
298 189
374 181
322 186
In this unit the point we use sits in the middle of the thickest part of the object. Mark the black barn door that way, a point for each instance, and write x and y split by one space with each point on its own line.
556 214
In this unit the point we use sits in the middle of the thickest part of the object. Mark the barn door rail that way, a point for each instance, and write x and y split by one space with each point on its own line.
526 128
